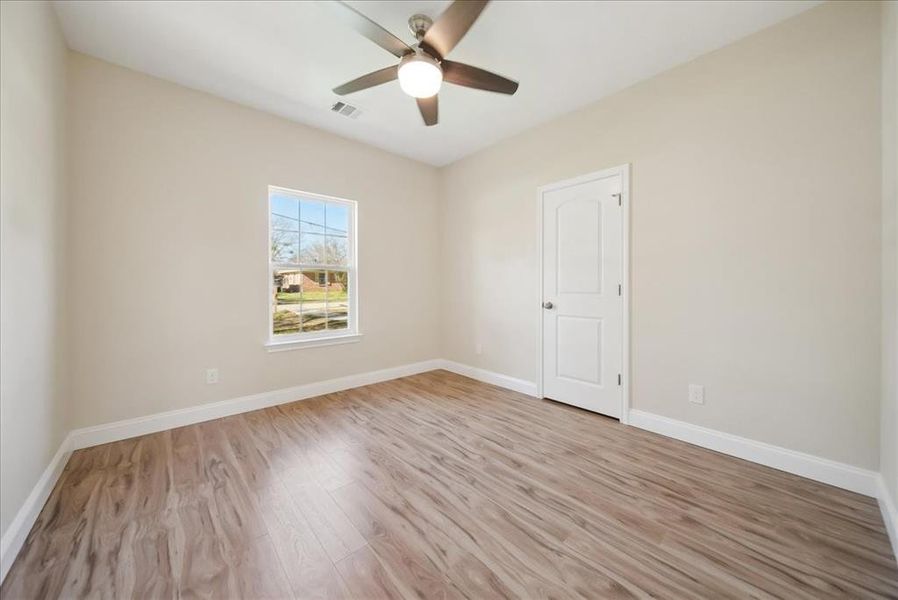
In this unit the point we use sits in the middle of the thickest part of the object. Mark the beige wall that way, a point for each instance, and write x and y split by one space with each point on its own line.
171 184
889 424
32 213
755 235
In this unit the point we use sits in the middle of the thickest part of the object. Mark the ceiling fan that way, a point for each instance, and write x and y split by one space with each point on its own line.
423 67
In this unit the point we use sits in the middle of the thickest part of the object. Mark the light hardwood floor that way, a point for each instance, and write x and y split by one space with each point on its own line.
437 486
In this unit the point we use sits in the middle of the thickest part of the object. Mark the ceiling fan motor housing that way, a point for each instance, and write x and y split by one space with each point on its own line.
419 24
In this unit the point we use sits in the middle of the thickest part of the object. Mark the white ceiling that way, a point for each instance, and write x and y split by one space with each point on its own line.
285 57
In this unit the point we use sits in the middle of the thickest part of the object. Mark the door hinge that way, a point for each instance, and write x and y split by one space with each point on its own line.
619 290
618 379
619 201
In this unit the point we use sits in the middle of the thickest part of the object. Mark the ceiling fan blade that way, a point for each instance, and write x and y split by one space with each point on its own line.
472 77
451 26
367 81
368 28
429 108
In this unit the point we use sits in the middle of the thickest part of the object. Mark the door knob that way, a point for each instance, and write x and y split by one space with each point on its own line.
548 305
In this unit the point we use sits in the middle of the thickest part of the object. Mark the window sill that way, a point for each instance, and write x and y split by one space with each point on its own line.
313 342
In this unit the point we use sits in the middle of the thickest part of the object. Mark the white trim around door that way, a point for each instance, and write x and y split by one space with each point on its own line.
622 171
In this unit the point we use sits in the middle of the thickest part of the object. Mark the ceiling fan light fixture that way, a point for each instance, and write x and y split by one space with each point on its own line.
422 67
420 76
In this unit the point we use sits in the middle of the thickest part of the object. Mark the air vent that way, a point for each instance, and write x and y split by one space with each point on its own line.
347 110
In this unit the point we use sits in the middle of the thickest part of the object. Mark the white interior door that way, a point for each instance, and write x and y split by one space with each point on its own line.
582 304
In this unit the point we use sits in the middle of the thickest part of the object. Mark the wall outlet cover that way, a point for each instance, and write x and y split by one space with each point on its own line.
696 393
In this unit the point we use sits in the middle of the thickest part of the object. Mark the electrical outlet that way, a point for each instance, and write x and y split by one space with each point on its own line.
696 393
211 375
478 348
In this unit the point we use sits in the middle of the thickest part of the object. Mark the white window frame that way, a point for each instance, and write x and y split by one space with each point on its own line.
352 332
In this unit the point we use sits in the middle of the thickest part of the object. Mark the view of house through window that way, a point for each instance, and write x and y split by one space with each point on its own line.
312 270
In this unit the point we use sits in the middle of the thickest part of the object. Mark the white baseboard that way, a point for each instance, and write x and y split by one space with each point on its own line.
21 525
889 513
824 470
512 383
120 430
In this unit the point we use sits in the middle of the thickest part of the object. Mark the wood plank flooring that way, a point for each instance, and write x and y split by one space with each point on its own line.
437 486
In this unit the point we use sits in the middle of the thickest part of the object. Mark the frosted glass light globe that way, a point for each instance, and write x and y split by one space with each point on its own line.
419 75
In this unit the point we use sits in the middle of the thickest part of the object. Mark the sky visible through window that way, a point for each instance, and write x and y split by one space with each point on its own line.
312 215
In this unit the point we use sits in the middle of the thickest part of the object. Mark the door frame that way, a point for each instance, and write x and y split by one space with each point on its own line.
623 171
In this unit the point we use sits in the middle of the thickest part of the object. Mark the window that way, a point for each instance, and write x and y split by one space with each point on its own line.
311 269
